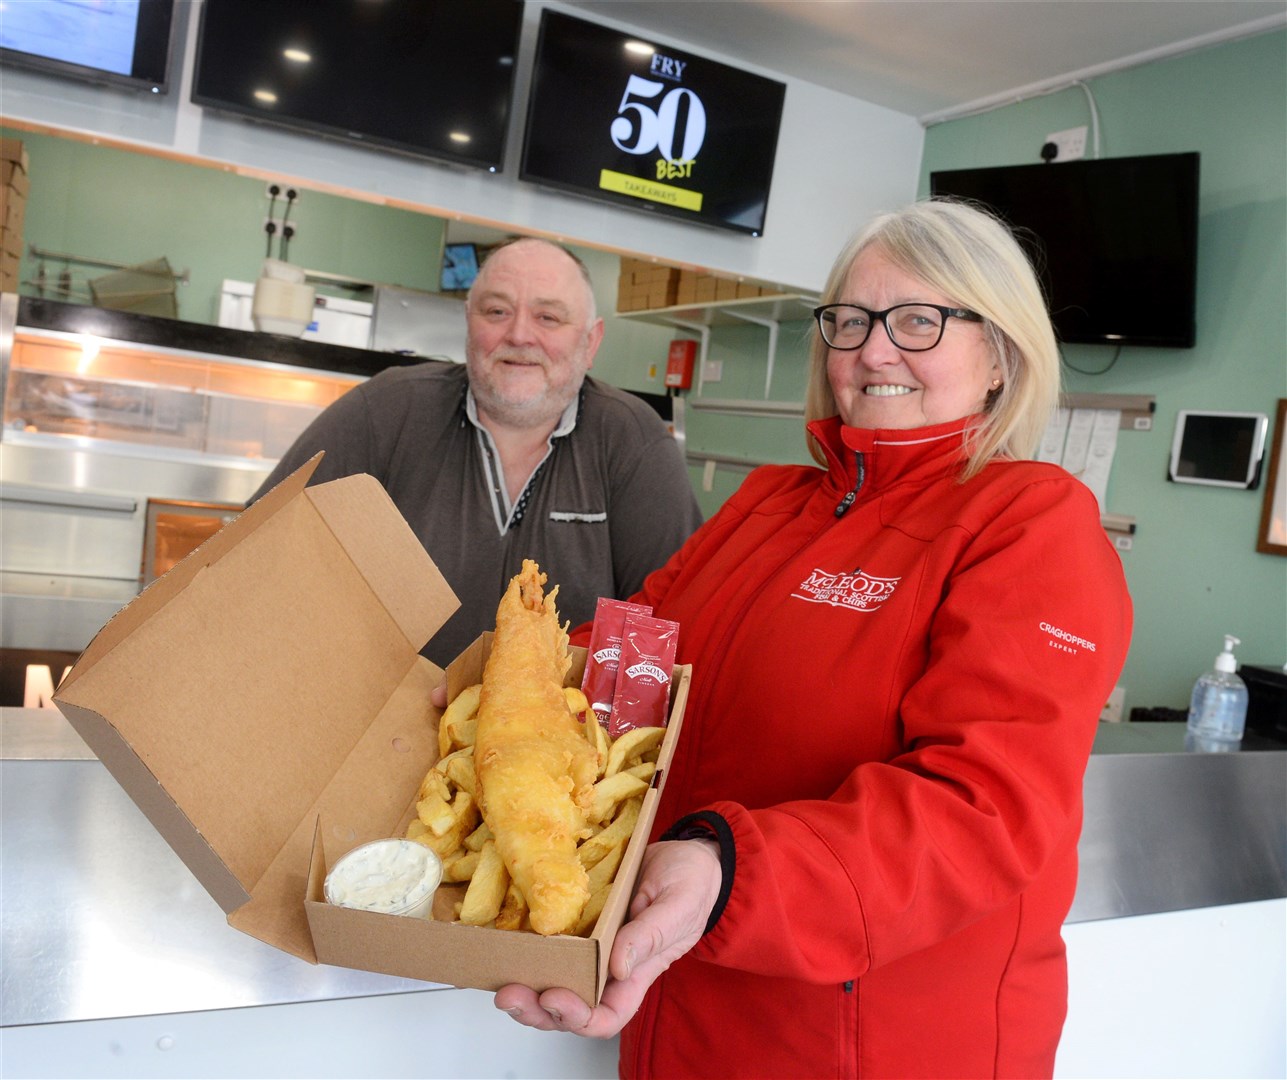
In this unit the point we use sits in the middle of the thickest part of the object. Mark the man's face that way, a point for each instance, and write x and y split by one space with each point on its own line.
531 337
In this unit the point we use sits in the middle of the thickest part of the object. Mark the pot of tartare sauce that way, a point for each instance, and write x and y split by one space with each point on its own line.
395 877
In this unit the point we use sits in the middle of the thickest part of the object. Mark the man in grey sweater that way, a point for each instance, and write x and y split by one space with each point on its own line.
518 453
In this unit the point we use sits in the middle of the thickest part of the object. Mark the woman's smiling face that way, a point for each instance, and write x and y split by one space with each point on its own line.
882 386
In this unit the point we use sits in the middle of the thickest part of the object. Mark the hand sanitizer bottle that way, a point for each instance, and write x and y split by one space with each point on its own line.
1218 708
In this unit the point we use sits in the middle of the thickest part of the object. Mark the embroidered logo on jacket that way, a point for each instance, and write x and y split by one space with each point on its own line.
857 590
1062 639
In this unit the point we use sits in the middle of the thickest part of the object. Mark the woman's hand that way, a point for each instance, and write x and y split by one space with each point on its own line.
679 883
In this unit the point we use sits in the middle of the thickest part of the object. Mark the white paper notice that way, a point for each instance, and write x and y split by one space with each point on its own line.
1099 458
1052 442
1077 444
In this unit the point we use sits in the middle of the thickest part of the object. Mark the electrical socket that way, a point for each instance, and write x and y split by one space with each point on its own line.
1071 143
282 188
277 232
1112 713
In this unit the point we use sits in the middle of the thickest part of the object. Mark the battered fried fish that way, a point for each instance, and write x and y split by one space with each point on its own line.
535 767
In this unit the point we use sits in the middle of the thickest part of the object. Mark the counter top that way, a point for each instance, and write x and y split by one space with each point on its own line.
101 919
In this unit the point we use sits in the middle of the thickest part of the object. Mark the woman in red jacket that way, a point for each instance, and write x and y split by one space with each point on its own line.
899 660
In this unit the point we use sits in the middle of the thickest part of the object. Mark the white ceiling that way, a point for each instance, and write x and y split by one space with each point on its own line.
927 57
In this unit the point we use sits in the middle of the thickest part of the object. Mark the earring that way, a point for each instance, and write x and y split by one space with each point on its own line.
996 383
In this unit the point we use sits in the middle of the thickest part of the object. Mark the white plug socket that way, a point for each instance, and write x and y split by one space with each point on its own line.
1112 713
1071 143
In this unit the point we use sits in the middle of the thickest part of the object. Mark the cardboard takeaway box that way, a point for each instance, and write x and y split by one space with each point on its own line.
265 705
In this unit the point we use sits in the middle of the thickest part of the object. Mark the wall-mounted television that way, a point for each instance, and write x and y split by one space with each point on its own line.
638 123
430 78
1115 241
126 43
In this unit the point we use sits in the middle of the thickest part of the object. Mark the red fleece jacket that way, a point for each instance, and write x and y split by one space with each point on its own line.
892 708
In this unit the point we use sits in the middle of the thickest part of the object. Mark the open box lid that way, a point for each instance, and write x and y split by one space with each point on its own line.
267 676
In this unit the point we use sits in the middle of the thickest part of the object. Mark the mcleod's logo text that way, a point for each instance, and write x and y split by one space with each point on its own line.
856 590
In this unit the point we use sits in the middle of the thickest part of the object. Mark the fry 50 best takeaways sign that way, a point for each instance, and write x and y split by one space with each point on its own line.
637 123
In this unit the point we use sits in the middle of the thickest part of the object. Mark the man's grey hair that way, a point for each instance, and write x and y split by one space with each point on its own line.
584 270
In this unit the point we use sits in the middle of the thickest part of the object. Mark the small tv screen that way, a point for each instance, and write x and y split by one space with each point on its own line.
459 267
638 123
124 43
1114 239
430 78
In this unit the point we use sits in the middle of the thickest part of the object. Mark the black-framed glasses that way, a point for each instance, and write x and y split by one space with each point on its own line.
911 327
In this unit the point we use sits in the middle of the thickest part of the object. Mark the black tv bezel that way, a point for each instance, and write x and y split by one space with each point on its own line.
355 138
610 198
1185 336
156 30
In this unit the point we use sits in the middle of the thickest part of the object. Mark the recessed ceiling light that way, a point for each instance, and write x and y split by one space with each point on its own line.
299 56
459 137
266 96
640 48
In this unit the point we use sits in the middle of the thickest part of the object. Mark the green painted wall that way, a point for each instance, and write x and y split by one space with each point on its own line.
118 206
1194 572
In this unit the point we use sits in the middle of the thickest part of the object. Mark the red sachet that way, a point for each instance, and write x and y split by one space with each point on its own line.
600 679
643 673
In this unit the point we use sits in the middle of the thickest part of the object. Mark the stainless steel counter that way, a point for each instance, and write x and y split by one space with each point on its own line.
102 920
1167 830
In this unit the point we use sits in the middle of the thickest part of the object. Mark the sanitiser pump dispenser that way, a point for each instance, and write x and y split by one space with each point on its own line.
1218 707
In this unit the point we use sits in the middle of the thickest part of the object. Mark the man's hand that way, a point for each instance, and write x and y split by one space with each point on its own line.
679 883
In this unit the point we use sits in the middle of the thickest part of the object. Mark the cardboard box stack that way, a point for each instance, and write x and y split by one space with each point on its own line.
14 185
265 705
695 288
644 285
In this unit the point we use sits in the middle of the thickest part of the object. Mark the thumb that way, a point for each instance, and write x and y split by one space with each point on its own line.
438 696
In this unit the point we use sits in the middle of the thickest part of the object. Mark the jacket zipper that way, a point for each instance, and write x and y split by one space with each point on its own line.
647 1015
859 477
844 505
848 1063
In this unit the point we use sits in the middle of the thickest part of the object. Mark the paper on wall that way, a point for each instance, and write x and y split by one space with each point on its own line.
1099 457
1052 441
1077 442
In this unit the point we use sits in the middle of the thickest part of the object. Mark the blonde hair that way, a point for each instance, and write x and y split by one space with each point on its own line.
967 254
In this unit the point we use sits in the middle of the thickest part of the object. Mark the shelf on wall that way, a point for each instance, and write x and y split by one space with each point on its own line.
767 311
727 407
1136 409
784 307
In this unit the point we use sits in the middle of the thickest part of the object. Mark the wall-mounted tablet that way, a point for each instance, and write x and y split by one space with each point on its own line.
1222 449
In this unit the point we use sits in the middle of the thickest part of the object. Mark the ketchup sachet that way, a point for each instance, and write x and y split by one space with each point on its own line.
643 673
600 680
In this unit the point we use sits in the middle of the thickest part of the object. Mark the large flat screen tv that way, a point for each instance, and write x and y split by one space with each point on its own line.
124 43
430 78
638 123
1115 240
